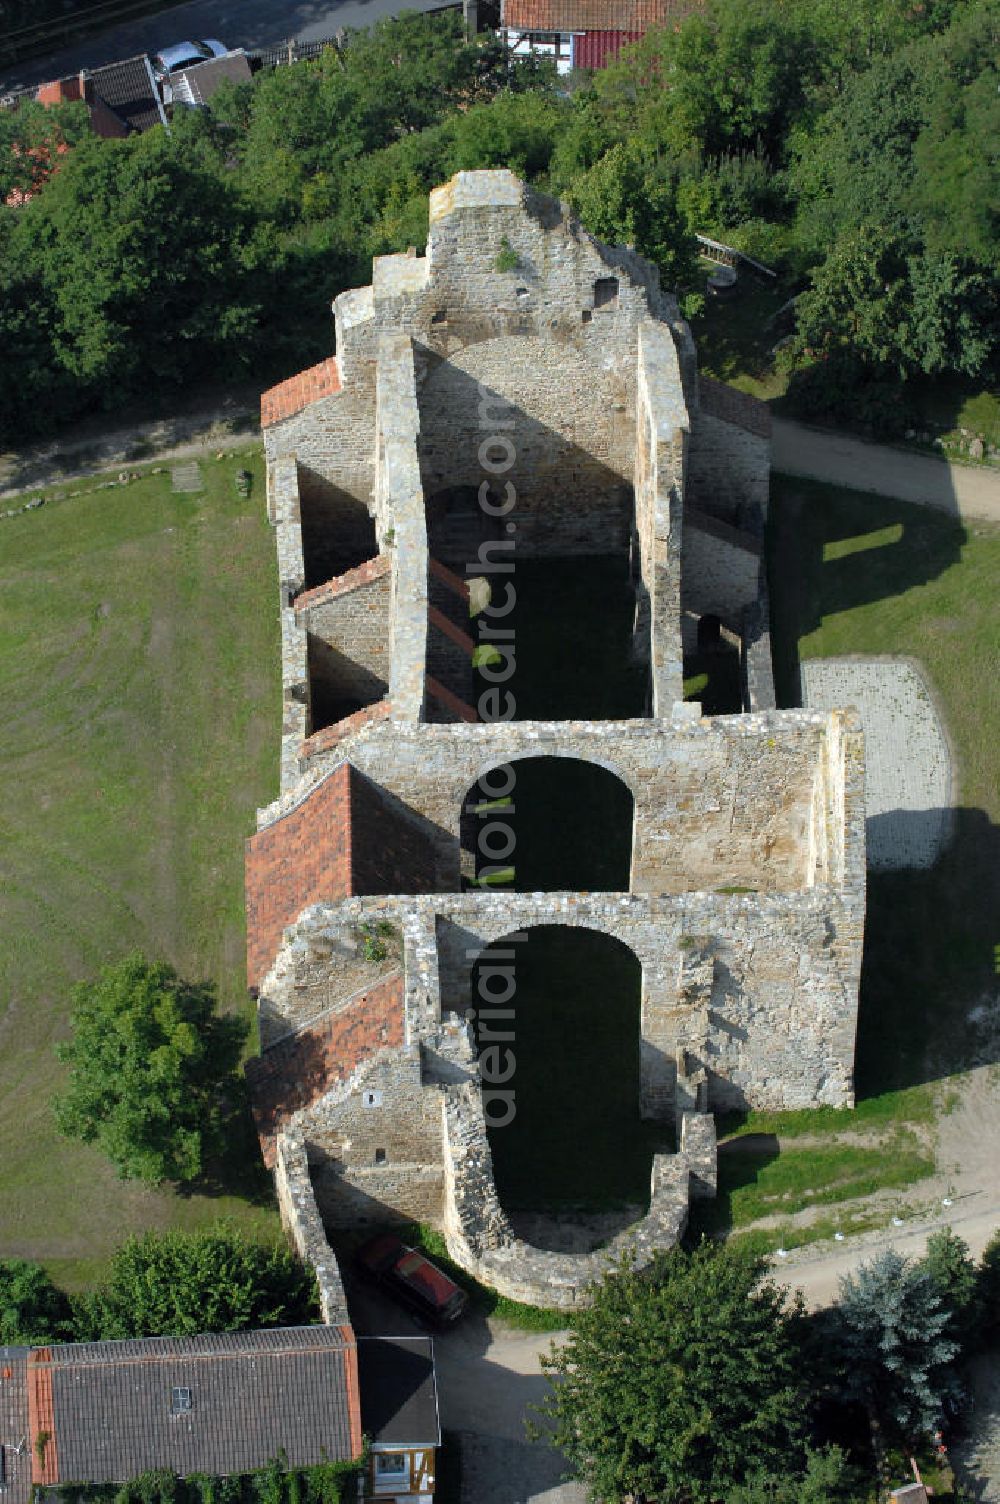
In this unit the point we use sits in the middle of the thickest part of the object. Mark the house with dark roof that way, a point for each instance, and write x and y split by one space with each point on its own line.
585 33
399 1415
120 97
219 1404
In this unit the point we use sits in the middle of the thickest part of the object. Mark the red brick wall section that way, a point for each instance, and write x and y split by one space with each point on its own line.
390 853
447 577
342 584
345 838
298 1071
730 406
329 736
291 396
301 859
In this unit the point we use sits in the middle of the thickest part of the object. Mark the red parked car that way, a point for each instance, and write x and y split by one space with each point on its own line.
410 1274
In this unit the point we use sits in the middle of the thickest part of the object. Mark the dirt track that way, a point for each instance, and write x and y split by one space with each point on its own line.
965 491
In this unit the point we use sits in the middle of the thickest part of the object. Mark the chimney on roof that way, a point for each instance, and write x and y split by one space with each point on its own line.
86 84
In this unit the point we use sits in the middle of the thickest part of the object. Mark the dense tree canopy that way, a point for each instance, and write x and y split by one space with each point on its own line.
32 1309
851 141
177 1284
149 1063
681 1382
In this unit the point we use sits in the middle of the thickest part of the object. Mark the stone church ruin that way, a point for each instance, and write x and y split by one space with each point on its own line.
524 395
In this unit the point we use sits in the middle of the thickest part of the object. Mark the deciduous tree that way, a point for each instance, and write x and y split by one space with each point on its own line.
680 1382
149 1064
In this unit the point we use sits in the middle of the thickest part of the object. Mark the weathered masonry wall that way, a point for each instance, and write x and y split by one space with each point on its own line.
552 424
722 569
757 990
476 1228
522 351
301 1219
348 619
662 426
718 801
399 511
730 462
376 1147
294 1072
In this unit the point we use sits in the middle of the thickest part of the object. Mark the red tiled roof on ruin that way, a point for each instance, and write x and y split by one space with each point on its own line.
298 1070
635 16
291 396
730 406
343 584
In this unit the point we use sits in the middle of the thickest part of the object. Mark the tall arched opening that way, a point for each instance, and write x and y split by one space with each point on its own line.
548 825
557 1021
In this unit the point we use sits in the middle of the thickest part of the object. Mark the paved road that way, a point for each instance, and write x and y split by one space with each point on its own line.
967 491
239 23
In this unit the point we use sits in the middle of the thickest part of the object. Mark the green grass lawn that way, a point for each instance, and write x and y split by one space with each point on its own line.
735 335
853 573
138 668
756 1183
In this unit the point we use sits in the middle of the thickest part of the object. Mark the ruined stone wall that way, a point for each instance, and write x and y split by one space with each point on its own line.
302 1067
759 989
722 572
301 1220
321 968
553 424
729 471
662 426
718 800
333 438
350 616
399 509
476 1228
376 1146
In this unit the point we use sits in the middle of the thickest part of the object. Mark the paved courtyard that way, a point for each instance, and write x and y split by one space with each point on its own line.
908 774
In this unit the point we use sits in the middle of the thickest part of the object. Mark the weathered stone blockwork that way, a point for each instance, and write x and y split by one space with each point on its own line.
568 384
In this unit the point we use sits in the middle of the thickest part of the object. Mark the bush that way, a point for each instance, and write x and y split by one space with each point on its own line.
176 1284
32 1309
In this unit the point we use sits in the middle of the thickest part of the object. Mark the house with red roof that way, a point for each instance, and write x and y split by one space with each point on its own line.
585 33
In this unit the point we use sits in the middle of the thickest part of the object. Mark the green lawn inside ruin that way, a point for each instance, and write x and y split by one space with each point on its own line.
139 657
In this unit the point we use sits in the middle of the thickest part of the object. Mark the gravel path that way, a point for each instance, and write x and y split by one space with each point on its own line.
908 774
962 490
